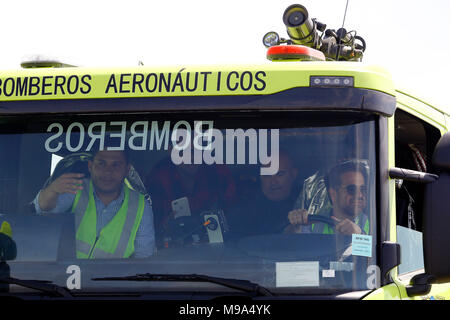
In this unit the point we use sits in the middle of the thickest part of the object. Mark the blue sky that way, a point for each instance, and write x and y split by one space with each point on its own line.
406 37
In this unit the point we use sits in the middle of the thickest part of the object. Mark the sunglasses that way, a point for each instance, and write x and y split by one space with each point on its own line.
352 189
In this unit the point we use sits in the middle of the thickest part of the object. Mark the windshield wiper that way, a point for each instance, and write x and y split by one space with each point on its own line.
242 285
40 285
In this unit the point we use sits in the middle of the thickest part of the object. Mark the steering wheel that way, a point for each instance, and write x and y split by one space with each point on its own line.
324 219
347 253
313 218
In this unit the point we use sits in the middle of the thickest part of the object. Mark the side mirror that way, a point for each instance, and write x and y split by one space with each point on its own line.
436 224
436 218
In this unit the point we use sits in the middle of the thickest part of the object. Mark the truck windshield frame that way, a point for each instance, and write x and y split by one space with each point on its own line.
44 128
300 98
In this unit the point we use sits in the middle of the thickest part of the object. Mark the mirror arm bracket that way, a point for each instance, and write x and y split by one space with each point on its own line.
411 175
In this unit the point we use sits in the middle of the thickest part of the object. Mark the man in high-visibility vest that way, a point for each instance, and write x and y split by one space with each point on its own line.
8 249
347 189
111 219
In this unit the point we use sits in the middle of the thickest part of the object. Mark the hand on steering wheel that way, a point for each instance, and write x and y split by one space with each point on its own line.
300 217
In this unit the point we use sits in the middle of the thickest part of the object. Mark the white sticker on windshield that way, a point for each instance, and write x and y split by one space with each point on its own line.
297 274
361 245
341 266
328 273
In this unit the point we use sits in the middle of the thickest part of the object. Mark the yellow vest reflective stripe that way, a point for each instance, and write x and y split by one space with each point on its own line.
116 239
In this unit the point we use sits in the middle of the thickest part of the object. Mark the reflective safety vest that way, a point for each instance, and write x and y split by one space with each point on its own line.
116 239
361 220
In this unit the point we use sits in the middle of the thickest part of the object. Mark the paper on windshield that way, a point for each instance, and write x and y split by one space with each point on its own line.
297 274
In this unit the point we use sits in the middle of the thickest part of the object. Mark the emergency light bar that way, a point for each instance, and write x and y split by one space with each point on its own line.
293 52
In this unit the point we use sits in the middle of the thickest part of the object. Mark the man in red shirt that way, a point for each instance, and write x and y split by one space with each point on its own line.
206 187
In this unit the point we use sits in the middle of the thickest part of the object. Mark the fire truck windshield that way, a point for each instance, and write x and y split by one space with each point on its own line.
285 200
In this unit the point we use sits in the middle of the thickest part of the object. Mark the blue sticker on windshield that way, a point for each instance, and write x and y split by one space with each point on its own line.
361 245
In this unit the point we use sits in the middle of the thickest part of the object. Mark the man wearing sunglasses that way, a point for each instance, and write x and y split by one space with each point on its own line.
347 188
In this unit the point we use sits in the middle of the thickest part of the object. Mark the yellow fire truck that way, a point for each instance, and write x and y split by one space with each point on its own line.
214 163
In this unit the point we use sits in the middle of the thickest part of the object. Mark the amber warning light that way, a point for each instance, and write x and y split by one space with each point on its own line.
294 53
